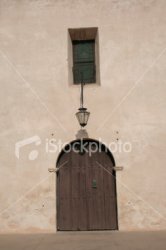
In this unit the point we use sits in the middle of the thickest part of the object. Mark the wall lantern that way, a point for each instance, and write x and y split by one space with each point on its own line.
82 115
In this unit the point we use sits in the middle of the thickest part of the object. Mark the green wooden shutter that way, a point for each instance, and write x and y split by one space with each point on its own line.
84 61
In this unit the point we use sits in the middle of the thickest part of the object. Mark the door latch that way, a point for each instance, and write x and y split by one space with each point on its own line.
94 184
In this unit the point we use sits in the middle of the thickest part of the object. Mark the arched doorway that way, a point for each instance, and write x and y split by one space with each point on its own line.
86 187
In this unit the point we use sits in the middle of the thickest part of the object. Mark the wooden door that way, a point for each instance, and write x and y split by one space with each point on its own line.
86 192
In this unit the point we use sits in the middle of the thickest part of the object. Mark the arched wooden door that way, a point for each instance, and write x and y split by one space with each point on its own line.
86 188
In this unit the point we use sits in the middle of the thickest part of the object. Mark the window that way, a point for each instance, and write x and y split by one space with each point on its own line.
84 61
83 56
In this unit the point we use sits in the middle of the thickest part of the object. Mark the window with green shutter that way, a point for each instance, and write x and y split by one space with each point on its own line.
84 69
83 56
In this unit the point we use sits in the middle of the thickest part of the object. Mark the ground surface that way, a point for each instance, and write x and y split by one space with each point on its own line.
86 240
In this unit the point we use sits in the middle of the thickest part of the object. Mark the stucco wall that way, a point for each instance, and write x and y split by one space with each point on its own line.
37 100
